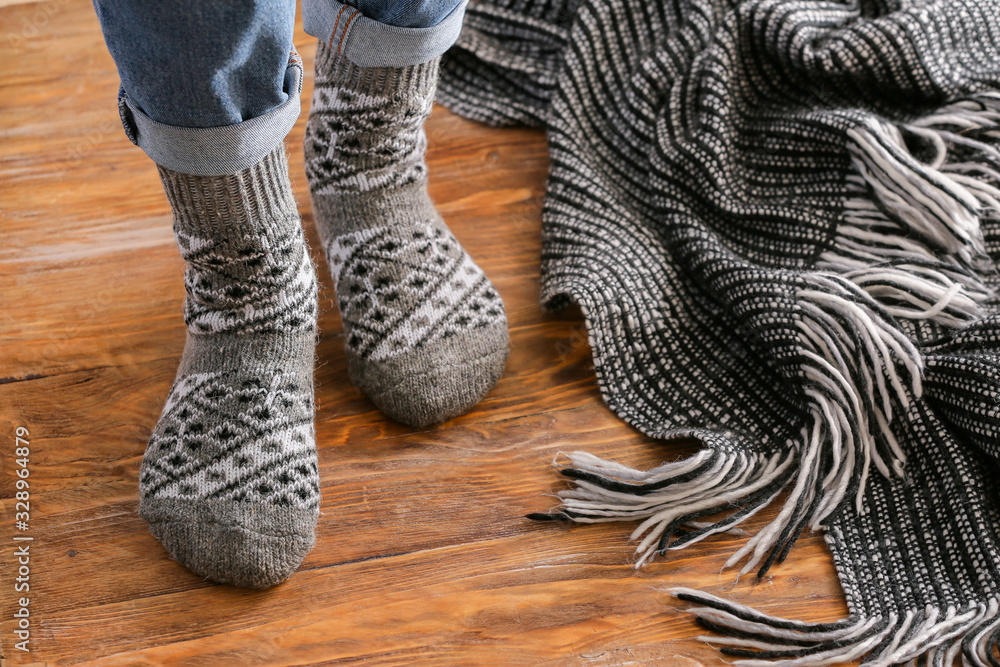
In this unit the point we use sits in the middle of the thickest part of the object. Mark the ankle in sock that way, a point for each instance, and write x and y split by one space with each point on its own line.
229 481
425 330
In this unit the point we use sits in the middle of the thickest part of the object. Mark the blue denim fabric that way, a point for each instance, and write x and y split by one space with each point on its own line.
371 43
406 13
200 64
210 88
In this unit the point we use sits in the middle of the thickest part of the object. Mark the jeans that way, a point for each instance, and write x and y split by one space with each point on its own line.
210 88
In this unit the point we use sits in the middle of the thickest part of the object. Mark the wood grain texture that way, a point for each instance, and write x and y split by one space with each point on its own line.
422 554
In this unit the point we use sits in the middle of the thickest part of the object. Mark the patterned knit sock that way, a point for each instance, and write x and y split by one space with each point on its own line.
426 333
229 481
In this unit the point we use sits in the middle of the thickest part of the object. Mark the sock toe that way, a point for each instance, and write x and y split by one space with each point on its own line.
255 547
432 384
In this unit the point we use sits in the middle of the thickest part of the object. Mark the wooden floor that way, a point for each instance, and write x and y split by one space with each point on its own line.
422 555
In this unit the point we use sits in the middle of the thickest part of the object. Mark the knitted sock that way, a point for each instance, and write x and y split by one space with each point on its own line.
426 333
229 481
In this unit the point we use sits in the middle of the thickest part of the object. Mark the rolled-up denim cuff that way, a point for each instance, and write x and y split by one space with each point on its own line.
215 151
370 43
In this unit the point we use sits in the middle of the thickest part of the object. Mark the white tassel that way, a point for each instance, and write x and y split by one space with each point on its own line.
980 644
927 201
855 355
859 368
937 634
606 491
933 276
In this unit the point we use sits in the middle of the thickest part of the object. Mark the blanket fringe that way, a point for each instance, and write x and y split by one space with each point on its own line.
854 355
672 496
843 336
910 247
912 236
937 636
939 209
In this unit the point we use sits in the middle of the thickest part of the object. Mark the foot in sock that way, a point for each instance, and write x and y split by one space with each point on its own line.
425 330
229 482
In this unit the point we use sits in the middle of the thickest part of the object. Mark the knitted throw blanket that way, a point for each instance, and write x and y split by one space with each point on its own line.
781 219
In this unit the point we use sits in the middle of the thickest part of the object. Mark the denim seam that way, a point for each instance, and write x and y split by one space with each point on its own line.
336 24
346 31
215 151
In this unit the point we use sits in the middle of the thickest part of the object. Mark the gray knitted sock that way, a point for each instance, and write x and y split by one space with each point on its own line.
426 333
229 482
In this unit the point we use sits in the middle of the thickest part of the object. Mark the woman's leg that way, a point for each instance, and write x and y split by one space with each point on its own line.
229 481
426 333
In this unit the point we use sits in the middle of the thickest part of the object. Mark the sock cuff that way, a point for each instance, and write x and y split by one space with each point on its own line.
333 69
256 201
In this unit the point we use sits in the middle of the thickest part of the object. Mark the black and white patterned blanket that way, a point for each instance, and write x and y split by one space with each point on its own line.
781 219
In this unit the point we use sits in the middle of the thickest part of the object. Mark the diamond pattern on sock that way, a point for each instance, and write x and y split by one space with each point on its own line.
403 290
227 437
379 138
262 285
